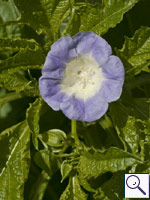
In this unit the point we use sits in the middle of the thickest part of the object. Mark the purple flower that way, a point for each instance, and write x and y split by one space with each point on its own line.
80 77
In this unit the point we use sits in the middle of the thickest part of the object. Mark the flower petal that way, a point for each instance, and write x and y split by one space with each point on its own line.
89 42
111 90
91 110
53 68
113 69
55 100
48 87
50 92
95 108
84 42
101 50
73 108
63 49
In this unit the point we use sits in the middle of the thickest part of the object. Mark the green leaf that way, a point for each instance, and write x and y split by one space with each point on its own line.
40 187
24 57
33 117
135 52
145 150
19 83
46 161
19 68
85 184
66 168
56 11
143 168
97 163
32 13
49 6
60 13
141 108
146 130
125 125
17 44
54 138
15 81
133 124
104 15
9 12
112 189
73 191
5 109
14 161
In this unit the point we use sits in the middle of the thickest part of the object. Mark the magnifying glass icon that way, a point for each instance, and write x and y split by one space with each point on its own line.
133 182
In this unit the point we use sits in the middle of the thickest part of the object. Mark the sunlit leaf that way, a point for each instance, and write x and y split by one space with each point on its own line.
14 161
24 57
145 150
73 190
17 44
61 12
66 168
101 16
125 125
17 82
113 159
135 52
54 138
33 116
56 11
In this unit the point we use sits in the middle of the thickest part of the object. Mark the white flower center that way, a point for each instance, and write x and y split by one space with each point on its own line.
82 77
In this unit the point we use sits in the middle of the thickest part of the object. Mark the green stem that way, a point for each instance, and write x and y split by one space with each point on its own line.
74 131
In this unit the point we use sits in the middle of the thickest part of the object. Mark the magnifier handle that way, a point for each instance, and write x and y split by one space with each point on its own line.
141 190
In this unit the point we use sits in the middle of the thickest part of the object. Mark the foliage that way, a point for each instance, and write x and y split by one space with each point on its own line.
39 158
